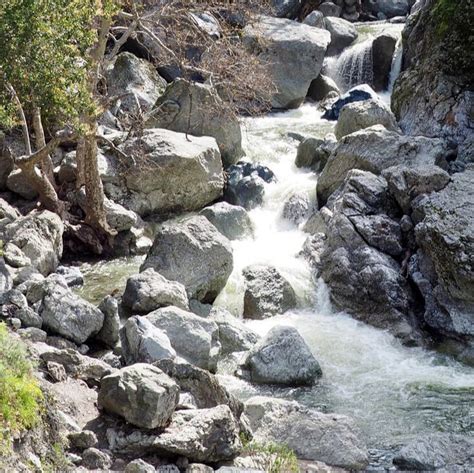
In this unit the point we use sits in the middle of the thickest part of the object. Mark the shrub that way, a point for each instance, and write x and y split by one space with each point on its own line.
20 394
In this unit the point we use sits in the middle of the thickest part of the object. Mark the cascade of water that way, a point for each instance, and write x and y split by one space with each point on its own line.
396 64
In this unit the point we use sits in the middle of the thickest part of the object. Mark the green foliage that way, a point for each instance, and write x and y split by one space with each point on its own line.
43 55
274 458
20 395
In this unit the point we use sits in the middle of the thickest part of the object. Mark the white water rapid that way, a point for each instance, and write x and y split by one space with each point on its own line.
390 390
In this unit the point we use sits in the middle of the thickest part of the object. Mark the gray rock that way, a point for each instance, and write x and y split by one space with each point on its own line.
322 86
437 451
139 466
19 184
118 217
149 290
193 253
164 161
234 335
294 52
82 440
297 208
383 49
356 116
339 443
195 339
315 18
390 8
375 149
95 459
330 9
71 274
109 333
142 342
67 314
343 34
207 23
135 83
199 468
14 257
286 8
190 107
6 162
33 334
408 182
142 394
204 387
314 152
282 357
232 221
267 292
39 236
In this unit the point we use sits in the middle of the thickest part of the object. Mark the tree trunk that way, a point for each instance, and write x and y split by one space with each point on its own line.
46 164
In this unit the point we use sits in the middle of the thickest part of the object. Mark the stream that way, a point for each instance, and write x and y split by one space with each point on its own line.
391 391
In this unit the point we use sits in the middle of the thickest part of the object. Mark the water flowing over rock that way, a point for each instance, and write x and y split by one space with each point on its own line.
161 163
358 93
294 53
329 438
281 357
267 292
39 237
197 109
321 87
141 394
356 116
150 290
193 253
375 149
195 339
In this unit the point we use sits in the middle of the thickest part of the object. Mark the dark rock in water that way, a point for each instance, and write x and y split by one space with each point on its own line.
246 184
321 87
383 49
72 275
432 452
356 94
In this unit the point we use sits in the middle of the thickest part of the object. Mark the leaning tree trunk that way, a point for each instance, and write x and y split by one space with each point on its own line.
46 164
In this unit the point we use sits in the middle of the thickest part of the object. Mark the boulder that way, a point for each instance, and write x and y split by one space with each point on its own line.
358 93
315 18
163 161
13 304
6 282
95 459
375 149
267 292
330 9
314 152
118 217
294 53
343 34
445 234
245 184
195 339
6 162
109 333
39 236
329 438
71 274
356 116
286 8
135 83
142 342
67 314
204 387
321 87
282 357
297 208
232 221
383 49
142 394
150 290
234 335
139 466
197 109
195 254
440 451
408 182
19 184
390 8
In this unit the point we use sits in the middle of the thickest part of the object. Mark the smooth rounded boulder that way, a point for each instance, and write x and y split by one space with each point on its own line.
194 253
232 221
142 394
282 357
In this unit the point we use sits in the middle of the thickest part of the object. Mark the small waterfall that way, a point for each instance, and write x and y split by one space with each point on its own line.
396 65
353 67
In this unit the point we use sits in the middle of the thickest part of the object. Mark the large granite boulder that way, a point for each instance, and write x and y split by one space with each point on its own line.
441 451
194 338
197 109
383 49
443 266
136 84
281 357
150 290
343 34
356 116
232 221
294 53
267 292
166 172
389 8
375 149
194 253
329 438
142 394
39 237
